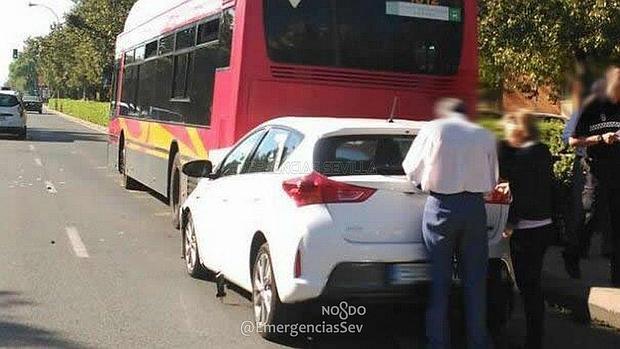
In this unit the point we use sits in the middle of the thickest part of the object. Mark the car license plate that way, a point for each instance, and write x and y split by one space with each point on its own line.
407 274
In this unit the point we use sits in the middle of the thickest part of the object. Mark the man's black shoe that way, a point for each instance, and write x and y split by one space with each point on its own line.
571 264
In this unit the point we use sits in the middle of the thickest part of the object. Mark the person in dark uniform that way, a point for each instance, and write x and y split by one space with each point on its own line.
526 165
586 215
598 130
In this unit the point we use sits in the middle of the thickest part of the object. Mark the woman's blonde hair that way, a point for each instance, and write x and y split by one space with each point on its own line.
523 123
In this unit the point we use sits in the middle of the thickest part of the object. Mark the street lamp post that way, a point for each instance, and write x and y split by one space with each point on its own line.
32 4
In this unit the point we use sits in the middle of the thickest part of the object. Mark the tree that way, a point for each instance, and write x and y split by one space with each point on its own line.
525 44
24 71
76 58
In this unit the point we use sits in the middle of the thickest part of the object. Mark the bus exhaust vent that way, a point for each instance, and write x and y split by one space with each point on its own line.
346 77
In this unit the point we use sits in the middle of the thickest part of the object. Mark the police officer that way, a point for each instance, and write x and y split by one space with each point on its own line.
598 130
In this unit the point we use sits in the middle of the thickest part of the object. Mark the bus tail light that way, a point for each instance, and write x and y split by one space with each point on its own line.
318 189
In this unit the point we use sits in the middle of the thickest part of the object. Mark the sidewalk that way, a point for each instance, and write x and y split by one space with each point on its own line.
589 299
84 123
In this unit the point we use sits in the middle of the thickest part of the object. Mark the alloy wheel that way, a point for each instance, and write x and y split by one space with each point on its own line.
263 290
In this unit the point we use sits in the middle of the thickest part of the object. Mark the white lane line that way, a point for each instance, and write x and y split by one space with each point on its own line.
50 187
76 242
31 147
38 162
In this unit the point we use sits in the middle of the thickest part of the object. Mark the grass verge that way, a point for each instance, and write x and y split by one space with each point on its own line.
95 112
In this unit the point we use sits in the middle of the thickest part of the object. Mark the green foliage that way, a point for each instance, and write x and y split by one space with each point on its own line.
551 135
95 112
76 58
525 44
23 72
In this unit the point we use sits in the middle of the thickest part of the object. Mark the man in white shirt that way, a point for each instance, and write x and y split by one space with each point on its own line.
456 161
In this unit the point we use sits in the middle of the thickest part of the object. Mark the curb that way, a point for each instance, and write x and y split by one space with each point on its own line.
90 125
604 306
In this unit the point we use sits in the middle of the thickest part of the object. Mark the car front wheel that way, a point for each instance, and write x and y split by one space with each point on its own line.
193 264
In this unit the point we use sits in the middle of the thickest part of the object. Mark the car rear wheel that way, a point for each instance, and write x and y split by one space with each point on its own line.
268 309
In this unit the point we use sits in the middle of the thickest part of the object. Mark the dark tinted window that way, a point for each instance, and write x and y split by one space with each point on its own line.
151 49
233 164
266 155
182 64
155 92
179 88
208 31
32 99
166 44
362 155
186 38
8 101
367 34
129 105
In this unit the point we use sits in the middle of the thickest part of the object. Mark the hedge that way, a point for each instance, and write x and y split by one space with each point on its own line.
95 112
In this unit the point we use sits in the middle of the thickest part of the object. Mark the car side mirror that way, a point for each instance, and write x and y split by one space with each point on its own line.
198 169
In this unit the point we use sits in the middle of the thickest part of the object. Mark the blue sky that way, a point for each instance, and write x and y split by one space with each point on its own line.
19 21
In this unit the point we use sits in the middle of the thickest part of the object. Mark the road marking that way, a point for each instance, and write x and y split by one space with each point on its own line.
31 147
38 162
76 242
50 187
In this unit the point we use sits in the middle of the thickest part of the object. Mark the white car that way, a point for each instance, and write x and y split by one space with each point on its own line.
12 114
307 208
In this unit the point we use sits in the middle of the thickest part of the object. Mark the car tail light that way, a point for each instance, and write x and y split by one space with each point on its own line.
318 189
297 272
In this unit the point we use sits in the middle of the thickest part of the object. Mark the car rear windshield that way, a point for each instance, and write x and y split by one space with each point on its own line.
362 155
8 101
31 99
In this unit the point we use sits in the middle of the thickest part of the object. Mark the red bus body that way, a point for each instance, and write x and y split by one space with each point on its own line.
254 89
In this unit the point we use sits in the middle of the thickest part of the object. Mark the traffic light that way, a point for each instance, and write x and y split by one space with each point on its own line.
15 54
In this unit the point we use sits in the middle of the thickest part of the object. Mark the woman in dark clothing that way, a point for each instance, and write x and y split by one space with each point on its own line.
526 166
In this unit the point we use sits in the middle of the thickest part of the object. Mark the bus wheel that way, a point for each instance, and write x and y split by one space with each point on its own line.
175 190
127 182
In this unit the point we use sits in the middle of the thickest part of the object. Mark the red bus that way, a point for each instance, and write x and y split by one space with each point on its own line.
193 76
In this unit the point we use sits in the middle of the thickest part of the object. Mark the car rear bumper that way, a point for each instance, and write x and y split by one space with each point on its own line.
372 283
33 107
13 130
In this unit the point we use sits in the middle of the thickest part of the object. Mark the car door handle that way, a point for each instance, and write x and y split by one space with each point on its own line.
224 200
257 200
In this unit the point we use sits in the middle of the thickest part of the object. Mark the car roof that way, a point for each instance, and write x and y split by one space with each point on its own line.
9 92
320 126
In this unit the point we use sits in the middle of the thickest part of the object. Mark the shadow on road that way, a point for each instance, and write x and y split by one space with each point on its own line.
14 334
58 136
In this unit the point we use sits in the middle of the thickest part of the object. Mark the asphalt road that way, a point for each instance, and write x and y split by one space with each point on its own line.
84 263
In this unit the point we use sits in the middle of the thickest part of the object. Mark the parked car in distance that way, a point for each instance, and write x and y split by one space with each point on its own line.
309 208
13 117
33 103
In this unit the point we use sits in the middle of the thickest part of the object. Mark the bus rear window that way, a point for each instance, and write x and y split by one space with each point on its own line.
381 35
362 155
